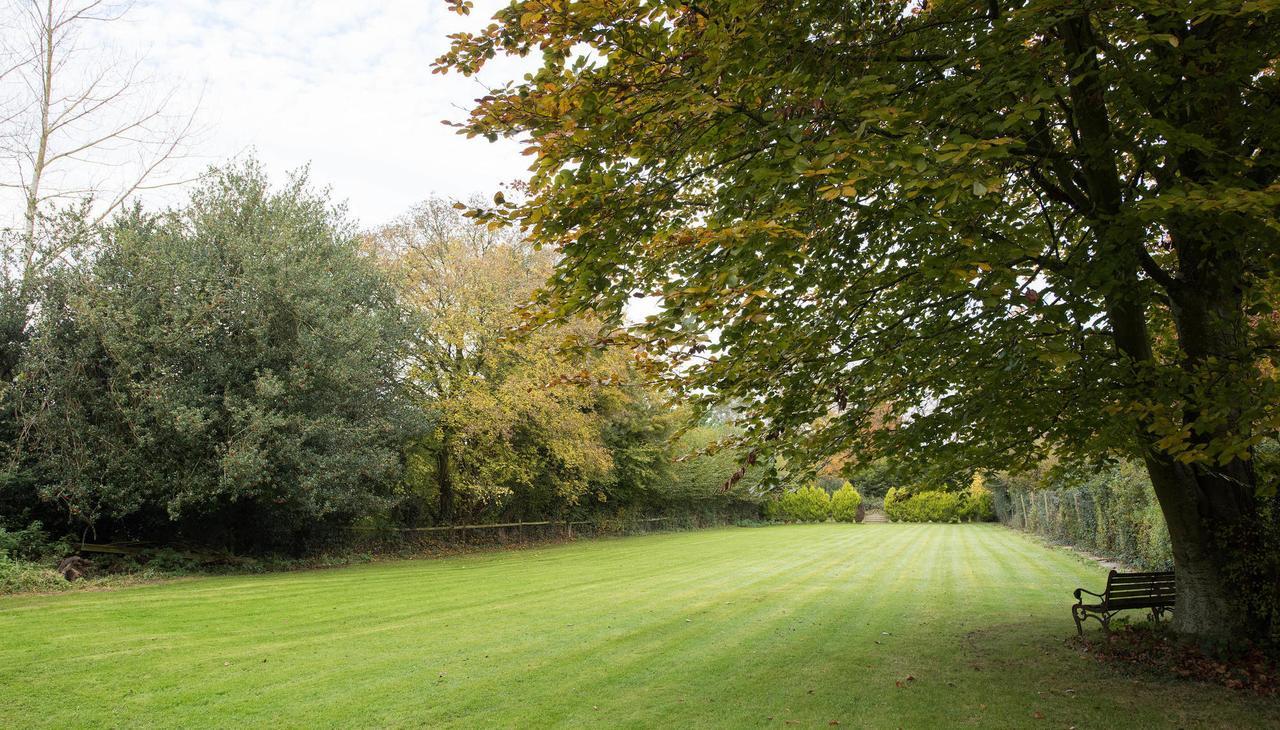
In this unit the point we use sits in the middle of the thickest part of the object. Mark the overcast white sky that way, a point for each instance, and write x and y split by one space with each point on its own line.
346 86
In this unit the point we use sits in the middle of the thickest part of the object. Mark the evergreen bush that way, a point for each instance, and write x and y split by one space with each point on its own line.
845 503
806 504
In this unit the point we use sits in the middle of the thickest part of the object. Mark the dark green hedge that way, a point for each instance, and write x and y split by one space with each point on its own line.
1112 513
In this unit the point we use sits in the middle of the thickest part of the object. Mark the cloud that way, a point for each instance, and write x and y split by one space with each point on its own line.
346 87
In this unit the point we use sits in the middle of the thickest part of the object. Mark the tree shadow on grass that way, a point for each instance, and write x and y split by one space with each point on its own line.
1039 669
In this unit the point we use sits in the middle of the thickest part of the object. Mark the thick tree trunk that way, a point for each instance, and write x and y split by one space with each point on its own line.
1213 526
1212 511
1226 586
445 481
1214 518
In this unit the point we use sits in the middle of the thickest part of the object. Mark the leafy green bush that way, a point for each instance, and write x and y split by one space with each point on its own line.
20 576
934 506
929 505
225 372
872 479
891 498
806 504
978 507
979 504
924 504
845 503
168 560
29 543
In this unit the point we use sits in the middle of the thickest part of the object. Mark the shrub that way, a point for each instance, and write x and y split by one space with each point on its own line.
29 543
890 501
935 506
806 504
168 560
924 506
978 507
229 371
20 576
979 504
845 503
873 479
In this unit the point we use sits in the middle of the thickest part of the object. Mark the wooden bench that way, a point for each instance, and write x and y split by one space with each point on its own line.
1154 591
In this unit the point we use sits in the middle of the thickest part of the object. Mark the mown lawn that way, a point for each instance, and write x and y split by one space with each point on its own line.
864 625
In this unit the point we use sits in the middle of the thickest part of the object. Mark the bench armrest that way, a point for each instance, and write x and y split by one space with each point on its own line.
1082 590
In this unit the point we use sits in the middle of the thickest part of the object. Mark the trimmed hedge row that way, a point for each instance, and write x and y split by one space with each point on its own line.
813 504
934 505
1112 513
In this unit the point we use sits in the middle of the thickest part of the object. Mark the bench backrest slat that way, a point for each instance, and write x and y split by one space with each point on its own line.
1139 578
1140 589
1140 586
1142 592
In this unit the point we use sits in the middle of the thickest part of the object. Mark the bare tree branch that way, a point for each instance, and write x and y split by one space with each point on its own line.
74 109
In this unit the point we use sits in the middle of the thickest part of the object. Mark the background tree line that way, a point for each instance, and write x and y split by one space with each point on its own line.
250 371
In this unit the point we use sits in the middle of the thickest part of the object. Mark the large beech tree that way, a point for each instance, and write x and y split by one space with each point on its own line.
1031 226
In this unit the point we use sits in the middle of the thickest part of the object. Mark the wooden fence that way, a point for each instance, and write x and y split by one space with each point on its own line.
494 525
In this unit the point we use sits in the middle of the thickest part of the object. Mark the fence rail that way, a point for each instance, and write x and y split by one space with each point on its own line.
448 528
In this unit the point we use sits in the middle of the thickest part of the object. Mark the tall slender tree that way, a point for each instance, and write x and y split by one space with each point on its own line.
79 125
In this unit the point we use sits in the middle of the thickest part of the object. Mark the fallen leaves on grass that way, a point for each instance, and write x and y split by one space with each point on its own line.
1159 650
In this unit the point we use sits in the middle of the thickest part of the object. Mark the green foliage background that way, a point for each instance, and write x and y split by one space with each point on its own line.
1112 512
249 372
921 504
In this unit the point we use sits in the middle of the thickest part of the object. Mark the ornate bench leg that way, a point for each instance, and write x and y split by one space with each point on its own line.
1077 613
